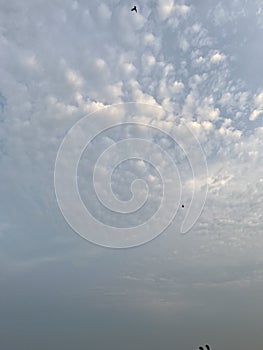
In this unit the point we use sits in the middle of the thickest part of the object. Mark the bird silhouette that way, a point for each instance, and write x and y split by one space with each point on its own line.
207 346
134 9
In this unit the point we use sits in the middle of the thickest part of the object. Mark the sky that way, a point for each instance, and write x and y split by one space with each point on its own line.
131 115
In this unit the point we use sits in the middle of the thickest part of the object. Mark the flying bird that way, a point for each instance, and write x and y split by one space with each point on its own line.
134 9
207 346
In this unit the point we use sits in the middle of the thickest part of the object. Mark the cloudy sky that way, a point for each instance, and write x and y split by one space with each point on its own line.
185 65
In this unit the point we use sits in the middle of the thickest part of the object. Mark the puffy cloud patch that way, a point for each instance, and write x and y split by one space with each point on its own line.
61 61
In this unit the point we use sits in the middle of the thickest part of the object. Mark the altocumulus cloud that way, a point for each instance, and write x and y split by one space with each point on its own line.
62 60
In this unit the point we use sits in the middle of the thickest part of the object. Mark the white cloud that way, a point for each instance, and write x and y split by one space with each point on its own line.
165 8
182 9
259 100
255 114
217 57
74 78
58 65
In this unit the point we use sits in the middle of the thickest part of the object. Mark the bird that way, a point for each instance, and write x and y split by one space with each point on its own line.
183 207
207 346
134 9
